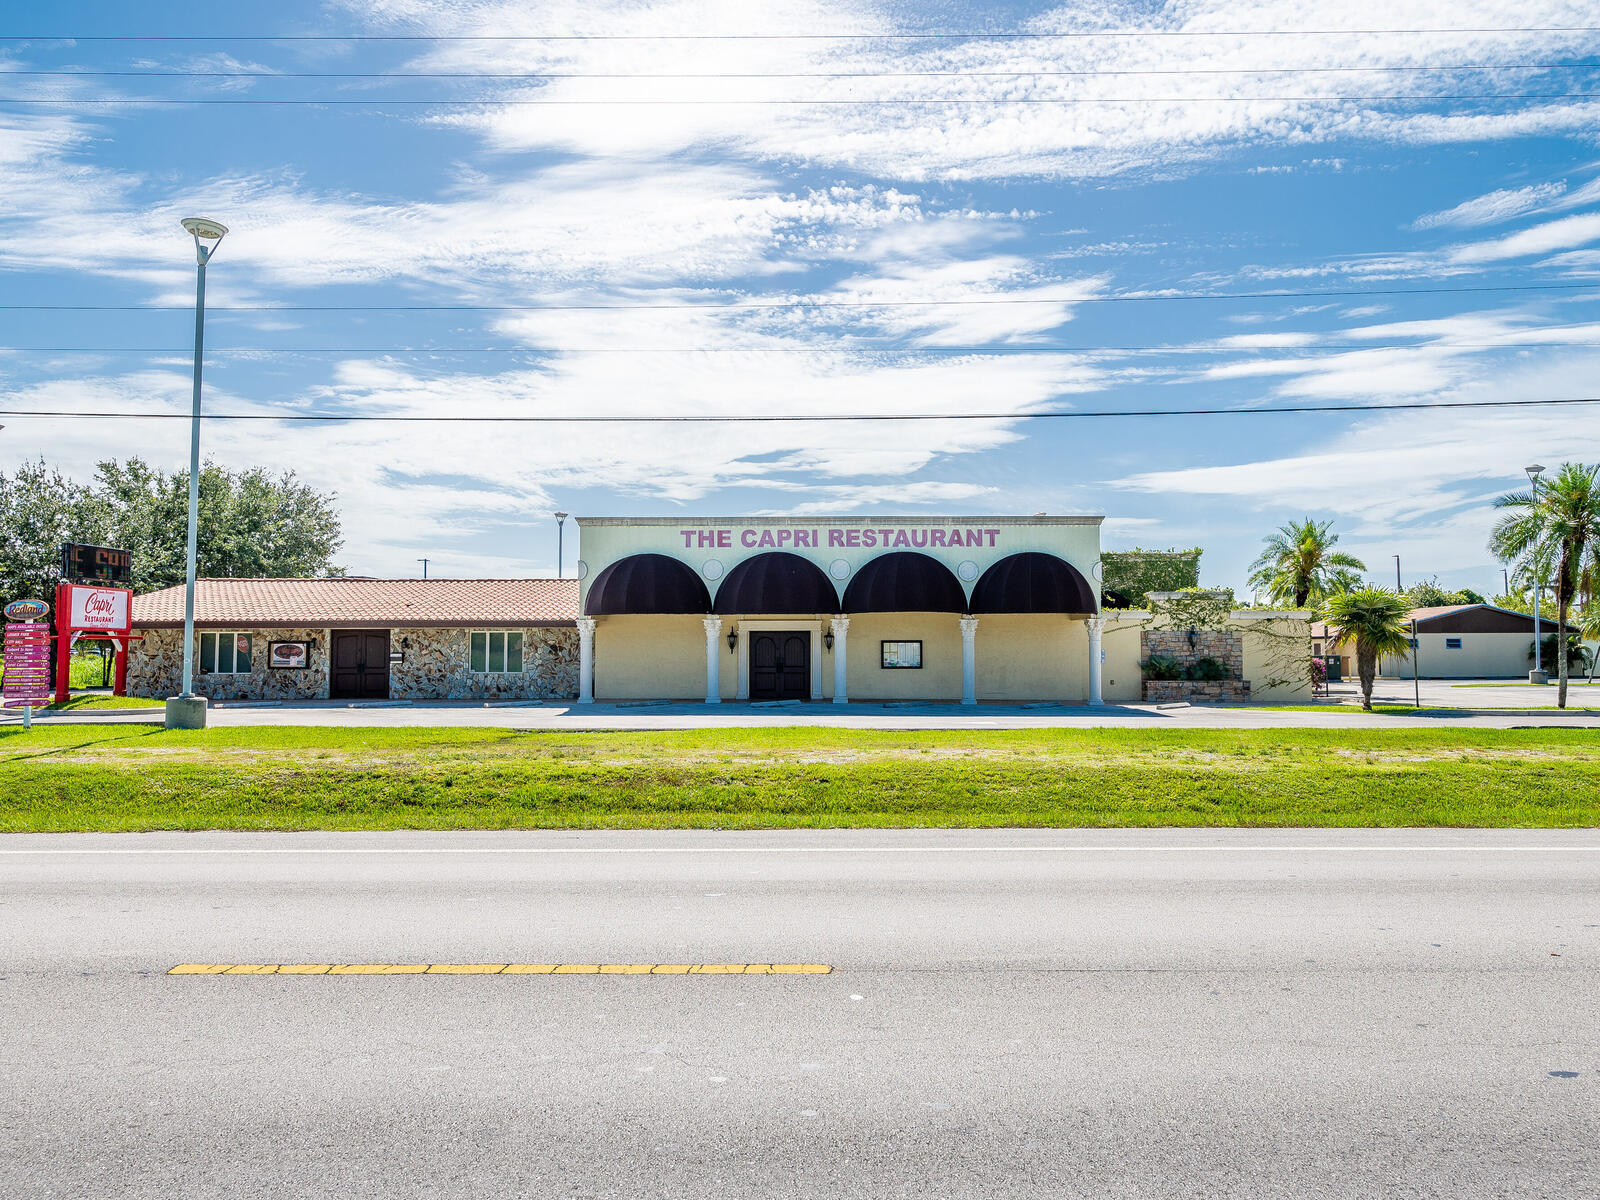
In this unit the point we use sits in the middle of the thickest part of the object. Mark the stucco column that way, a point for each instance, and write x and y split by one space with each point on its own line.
969 660
713 654
1096 668
841 630
585 660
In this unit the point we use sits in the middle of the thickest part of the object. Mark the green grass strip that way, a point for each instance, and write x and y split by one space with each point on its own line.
139 777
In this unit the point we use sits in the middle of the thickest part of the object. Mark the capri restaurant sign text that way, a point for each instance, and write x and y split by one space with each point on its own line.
888 537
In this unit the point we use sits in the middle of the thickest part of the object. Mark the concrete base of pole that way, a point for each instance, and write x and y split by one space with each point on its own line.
186 712
1537 676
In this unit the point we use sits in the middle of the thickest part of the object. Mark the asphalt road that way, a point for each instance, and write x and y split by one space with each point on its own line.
1025 1013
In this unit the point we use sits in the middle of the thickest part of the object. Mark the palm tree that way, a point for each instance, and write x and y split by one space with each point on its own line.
1375 619
1587 622
1557 525
1300 564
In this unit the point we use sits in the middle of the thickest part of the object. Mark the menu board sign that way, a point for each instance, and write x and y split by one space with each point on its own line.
26 683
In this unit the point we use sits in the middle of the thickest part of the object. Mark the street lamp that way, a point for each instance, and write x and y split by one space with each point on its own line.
561 523
1537 675
1416 671
186 710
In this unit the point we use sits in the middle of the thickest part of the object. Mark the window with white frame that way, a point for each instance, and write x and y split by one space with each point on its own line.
496 652
224 653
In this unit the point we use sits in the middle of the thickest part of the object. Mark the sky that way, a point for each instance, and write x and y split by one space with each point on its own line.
981 214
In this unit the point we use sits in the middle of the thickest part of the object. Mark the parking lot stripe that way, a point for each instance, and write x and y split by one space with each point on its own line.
500 969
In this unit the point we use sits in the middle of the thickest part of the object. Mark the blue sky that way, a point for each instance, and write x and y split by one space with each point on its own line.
1046 232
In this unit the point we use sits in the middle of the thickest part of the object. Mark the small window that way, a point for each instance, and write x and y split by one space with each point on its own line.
496 652
902 656
1452 643
224 653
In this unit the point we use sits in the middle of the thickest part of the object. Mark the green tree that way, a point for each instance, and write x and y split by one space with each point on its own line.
40 508
1300 566
1556 528
1428 594
1375 620
252 523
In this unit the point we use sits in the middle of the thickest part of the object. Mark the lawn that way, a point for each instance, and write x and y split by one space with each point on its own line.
140 777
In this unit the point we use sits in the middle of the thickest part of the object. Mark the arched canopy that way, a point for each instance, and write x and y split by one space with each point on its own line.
646 583
904 582
1033 583
778 582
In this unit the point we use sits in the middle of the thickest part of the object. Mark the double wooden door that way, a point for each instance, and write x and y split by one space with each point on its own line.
359 664
780 666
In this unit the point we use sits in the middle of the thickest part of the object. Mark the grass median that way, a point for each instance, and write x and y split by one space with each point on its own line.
139 777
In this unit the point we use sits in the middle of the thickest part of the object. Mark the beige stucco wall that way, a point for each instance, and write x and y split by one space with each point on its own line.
651 658
1266 654
604 540
155 668
939 678
1277 648
1482 656
1043 657
1123 679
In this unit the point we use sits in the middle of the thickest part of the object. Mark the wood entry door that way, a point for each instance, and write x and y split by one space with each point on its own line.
359 665
780 666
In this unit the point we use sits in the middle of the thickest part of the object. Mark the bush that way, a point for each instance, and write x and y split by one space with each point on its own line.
1163 666
1208 669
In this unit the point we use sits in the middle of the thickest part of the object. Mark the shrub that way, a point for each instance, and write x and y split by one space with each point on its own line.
1208 669
1163 666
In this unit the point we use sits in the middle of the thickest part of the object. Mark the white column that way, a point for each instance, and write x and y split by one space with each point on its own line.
585 660
969 660
713 655
841 630
1096 654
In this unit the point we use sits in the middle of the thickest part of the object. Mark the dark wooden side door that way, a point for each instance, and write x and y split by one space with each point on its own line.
359 663
780 666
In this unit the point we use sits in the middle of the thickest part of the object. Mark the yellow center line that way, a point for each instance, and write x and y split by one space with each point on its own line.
501 969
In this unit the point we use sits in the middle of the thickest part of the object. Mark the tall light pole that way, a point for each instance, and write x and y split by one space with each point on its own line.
1537 675
186 710
561 524
1416 674
424 563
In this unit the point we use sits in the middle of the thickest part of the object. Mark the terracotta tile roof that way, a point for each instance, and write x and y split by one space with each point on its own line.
354 603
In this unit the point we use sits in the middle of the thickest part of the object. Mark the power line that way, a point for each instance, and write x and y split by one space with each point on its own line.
871 102
1012 74
877 35
784 418
759 305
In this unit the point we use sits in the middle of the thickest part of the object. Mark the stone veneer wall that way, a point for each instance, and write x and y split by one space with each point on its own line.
155 668
437 666
1224 645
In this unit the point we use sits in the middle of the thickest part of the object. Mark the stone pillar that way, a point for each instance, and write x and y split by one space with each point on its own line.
585 660
1096 653
969 660
841 631
713 656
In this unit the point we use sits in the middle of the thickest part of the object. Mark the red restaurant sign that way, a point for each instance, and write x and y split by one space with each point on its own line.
101 608
27 670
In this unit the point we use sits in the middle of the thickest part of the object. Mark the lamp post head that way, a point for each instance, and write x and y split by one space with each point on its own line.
207 233
560 516
1533 472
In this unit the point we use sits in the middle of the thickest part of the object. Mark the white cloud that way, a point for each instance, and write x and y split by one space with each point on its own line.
1493 207
1563 234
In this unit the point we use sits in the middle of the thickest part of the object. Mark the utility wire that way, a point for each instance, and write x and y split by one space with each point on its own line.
1012 74
781 418
871 102
788 304
878 35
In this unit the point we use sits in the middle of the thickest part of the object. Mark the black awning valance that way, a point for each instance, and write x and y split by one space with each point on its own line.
1033 583
904 582
778 582
646 583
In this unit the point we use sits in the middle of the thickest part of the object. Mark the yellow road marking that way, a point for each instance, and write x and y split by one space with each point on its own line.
501 969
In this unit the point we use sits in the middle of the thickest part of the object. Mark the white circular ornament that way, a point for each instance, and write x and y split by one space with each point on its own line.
711 568
968 571
583 569
838 568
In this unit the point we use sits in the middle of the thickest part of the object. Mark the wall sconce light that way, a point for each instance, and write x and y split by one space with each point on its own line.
827 640
1194 639
405 643
733 638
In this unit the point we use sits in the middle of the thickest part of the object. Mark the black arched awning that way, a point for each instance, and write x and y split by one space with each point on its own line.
778 582
1033 583
646 583
904 582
